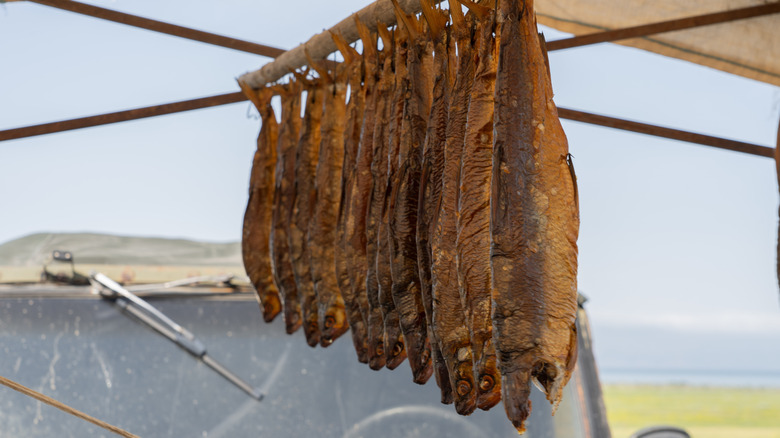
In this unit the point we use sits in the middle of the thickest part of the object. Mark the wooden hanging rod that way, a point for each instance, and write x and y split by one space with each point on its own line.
162 27
321 45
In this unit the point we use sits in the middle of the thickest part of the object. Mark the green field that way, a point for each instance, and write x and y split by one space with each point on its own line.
705 412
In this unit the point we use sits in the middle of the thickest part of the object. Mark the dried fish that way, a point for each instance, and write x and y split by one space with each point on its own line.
257 218
355 109
307 154
430 179
284 197
355 238
405 197
448 315
394 343
322 229
534 222
473 218
384 94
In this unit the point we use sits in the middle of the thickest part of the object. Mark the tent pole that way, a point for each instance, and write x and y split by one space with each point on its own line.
162 27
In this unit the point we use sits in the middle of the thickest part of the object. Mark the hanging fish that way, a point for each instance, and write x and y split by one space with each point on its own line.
377 355
331 311
307 153
430 179
284 198
351 142
394 343
534 222
449 318
405 197
473 218
257 219
355 224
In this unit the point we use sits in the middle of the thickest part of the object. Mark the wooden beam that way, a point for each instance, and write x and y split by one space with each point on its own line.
321 45
122 116
665 26
162 27
674 134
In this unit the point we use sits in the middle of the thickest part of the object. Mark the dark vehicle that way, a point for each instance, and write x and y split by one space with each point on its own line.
88 349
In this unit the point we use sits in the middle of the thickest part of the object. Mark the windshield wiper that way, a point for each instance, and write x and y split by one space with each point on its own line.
149 315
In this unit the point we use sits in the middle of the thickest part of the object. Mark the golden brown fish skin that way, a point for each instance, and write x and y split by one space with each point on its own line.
376 326
405 197
307 154
448 315
473 219
534 222
284 198
331 311
259 209
355 109
355 239
430 182
394 343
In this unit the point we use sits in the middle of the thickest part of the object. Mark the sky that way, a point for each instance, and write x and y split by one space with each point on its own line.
677 242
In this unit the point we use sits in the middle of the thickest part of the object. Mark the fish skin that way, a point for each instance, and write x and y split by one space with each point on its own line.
430 189
256 235
405 197
307 154
395 347
284 198
448 314
355 239
534 222
355 109
376 326
473 219
331 310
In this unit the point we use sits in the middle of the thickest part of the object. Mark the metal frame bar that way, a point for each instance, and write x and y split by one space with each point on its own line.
122 116
665 26
162 27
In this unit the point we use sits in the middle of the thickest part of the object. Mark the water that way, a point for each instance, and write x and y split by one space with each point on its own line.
722 378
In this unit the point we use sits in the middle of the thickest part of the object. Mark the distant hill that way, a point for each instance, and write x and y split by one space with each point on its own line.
90 248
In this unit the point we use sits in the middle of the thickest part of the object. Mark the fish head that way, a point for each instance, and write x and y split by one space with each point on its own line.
333 324
395 350
463 385
488 380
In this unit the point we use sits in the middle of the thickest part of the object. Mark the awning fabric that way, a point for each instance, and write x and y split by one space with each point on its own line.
749 47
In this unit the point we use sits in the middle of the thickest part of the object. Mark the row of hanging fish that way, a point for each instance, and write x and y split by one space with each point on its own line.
426 200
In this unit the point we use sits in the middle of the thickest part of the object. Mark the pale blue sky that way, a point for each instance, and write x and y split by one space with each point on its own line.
673 235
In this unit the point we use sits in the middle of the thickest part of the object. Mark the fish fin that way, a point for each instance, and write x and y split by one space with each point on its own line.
386 35
350 55
318 67
436 18
481 11
410 24
368 38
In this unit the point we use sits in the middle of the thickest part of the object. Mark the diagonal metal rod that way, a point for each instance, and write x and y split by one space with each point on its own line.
162 27
665 26
222 99
121 116
659 131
